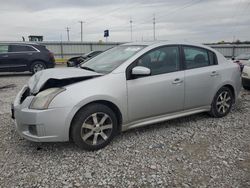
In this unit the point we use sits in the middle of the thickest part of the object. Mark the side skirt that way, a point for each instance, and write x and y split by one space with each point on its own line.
161 118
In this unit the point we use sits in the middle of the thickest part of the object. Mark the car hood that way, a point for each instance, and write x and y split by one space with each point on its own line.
58 77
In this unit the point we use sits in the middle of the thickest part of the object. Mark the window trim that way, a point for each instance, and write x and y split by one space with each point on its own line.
207 50
35 49
132 65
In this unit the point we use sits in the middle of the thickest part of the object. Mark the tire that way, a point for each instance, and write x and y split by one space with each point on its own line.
87 128
37 66
246 87
222 103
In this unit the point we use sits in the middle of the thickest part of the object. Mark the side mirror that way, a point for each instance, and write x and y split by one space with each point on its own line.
139 71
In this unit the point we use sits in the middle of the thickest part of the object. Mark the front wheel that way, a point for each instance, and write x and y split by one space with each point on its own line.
93 127
222 103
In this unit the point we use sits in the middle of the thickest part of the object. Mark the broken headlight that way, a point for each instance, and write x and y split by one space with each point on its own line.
42 100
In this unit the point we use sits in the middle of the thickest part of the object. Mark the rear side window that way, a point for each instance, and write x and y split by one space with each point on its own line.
4 48
20 48
195 57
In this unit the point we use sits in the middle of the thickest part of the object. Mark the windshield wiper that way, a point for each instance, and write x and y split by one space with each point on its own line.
87 68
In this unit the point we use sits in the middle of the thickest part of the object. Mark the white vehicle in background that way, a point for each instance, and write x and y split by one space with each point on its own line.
243 59
246 77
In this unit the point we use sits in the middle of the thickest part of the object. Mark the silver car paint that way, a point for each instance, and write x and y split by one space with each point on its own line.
39 79
155 95
189 96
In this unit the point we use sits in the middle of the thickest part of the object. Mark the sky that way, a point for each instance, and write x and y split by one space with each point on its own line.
183 20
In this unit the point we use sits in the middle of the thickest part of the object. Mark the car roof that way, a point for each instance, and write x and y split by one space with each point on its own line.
168 42
20 43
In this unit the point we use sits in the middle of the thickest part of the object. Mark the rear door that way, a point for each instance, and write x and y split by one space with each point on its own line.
20 56
202 76
4 48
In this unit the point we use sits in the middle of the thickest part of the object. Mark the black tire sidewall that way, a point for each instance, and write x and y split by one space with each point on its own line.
35 63
214 111
80 118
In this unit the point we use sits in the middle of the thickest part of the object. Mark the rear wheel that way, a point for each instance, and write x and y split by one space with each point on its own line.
222 103
37 66
94 127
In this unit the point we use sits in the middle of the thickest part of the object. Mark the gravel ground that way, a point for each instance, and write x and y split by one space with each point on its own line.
195 151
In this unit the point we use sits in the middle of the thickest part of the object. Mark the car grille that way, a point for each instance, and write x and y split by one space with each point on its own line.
25 94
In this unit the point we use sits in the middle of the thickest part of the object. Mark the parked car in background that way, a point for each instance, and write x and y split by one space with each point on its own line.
242 59
246 77
128 86
76 61
18 57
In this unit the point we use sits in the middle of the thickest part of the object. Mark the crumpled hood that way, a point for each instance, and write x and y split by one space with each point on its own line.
38 80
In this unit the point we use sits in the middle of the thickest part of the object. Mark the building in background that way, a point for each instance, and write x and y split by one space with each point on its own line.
35 38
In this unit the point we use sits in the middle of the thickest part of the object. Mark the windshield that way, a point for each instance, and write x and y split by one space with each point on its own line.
245 56
111 59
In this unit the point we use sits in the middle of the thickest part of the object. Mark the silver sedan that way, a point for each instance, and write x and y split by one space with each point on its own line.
128 86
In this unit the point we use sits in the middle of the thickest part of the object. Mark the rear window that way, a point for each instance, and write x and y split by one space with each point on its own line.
212 58
21 48
4 48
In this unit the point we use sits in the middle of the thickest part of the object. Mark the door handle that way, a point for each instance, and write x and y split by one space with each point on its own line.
177 81
214 73
5 56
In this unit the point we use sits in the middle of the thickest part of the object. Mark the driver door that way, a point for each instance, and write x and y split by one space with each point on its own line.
160 93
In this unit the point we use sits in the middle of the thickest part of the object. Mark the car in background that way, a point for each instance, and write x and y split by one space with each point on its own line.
128 86
242 59
246 77
19 57
76 61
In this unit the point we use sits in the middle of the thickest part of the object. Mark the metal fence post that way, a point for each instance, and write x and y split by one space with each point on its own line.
61 46
91 47
233 51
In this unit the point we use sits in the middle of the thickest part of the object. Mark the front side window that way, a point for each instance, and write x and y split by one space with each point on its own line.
21 48
161 60
195 57
108 61
4 48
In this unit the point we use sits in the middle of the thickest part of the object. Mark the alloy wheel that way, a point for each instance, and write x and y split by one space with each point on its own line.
97 128
223 102
38 67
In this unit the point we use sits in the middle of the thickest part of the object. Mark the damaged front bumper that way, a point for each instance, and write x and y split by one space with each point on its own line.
39 125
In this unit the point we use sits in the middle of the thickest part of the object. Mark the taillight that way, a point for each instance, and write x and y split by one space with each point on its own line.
51 55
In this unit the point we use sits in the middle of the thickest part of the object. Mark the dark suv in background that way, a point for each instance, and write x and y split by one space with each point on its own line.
18 57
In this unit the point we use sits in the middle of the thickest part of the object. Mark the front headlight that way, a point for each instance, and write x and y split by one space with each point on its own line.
42 100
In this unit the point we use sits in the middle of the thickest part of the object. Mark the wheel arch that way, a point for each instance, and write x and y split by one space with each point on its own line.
231 89
111 105
37 60
229 86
